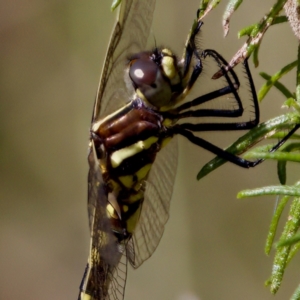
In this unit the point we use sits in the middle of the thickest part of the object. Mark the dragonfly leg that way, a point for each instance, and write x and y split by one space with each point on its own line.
223 153
191 49
232 113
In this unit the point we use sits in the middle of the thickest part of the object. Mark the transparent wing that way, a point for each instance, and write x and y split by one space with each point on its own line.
155 211
97 197
117 287
108 257
129 36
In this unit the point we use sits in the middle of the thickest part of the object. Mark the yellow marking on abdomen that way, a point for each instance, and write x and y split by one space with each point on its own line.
127 181
143 172
111 212
84 296
136 197
98 123
118 156
165 141
132 221
125 208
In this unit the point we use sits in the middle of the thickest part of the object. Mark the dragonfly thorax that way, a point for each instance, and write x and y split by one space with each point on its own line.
156 77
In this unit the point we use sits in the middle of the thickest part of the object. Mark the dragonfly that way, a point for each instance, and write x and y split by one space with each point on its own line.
131 172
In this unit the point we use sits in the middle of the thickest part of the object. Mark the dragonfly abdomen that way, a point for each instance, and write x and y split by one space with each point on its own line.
126 143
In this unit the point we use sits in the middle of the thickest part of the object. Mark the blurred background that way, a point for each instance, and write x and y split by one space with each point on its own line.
51 56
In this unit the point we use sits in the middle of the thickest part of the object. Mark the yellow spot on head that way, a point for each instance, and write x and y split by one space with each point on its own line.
141 95
169 67
166 52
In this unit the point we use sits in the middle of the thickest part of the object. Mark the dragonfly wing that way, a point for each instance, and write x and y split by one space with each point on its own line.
117 286
155 211
129 36
105 277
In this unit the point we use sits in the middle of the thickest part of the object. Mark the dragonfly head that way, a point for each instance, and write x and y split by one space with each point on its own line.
155 76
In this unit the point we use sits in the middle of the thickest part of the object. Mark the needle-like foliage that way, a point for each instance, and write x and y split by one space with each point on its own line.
276 128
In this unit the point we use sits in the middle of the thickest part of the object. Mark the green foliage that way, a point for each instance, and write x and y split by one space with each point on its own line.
115 4
274 80
289 241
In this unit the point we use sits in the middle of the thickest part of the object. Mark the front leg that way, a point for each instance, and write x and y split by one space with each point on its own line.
191 49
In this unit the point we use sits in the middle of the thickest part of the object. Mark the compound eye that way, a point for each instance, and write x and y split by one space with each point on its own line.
143 71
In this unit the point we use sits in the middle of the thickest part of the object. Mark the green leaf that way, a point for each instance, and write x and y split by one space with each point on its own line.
298 77
247 30
279 19
294 250
274 223
291 102
202 7
251 138
296 295
284 90
290 241
205 7
282 155
281 172
255 54
278 155
267 86
290 146
270 190
281 165
215 3
231 7
283 253
115 4
282 134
